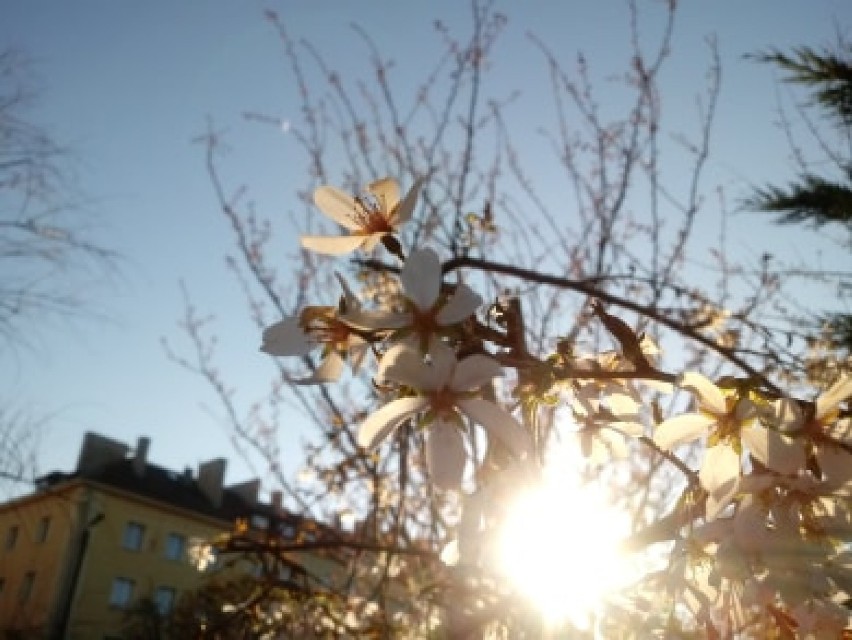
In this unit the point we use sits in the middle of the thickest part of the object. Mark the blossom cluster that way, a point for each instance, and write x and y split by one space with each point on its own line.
769 517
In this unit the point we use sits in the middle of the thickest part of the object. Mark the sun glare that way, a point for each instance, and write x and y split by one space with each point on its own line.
560 547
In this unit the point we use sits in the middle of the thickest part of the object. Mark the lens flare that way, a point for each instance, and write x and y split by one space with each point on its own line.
560 547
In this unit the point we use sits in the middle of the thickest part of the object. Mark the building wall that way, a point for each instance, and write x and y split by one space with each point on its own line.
97 517
112 555
35 538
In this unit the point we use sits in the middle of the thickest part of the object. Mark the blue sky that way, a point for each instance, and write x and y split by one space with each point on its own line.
130 85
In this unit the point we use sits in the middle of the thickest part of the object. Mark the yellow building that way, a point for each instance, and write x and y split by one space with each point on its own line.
86 546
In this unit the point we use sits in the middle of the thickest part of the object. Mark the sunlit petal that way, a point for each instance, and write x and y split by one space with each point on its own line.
680 429
286 338
498 423
380 424
450 554
841 431
386 191
777 452
710 395
421 278
630 429
337 205
474 371
836 394
721 464
371 241
332 245
622 405
445 454
719 475
461 305
329 370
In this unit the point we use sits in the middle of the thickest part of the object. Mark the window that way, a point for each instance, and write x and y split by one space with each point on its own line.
133 534
259 521
26 588
287 530
43 528
164 600
12 537
121 593
175 546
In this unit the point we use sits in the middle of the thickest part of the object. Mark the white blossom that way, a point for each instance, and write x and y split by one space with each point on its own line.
368 217
427 313
445 387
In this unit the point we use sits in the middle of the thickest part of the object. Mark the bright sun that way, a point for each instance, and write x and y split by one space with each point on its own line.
560 547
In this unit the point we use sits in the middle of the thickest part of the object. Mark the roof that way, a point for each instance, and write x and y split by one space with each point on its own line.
161 485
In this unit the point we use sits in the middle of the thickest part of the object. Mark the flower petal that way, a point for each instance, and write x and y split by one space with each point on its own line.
785 413
460 306
474 371
375 320
358 349
777 452
750 531
445 454
332 245
442 360
405 209
622 405
835 464
497 423
381 423
710 396
829 400
329 370
841 431
421 278
386 191
680 429
403 364
338 206
286 338
450 555
721 463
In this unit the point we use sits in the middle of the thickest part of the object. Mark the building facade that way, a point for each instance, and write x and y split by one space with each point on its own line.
86 547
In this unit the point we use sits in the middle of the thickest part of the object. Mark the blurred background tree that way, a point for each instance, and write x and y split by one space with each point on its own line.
49 259
821 195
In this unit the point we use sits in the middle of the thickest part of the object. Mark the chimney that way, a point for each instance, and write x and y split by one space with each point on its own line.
140 457
98 451
211 477
275 500
247 490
